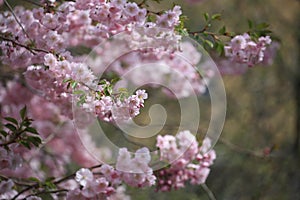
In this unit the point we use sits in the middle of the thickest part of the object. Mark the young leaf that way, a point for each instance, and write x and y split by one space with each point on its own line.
74 84
4 133
216 16
102 82
206 16
209 43
25 144
66 80
250 24
10 127
78 92
12 120
33 179
50 185
222 31
23 112
31 130
262 26
36 141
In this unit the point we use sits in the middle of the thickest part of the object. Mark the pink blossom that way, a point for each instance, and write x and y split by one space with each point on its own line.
131 9
118 3
243 50
189 163
83 176
50 21
50 61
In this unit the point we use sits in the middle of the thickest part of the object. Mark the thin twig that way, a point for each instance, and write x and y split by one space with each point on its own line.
241 150
31 49
14 139
46 192
64 179
25 190
16 18
73 175
209 193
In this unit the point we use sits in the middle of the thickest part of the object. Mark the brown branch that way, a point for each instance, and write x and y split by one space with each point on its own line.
46 192
16 18
25 190
72 175
13 140
31 49
64 179
37 185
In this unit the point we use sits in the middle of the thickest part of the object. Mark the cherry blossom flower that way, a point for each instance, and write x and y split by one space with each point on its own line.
242 49
83 176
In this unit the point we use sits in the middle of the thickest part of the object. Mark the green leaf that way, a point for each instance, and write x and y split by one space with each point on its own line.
66 80
49 179
50 185
209 43
81 100
151 18
102 82
36 141
31 130
216 16
33 179
250 24
222 31
183 32
10 127
206 16
74 84
220 48
115 80
262 26
12 120
107 91
23 112
25 144
4 133
78 92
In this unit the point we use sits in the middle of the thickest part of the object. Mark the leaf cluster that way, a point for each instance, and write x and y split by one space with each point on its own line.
19 131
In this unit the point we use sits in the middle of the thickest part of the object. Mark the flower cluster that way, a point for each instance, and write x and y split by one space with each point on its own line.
187 161
242 49
85 23
132 171
91 186
44 70
93 96
135 171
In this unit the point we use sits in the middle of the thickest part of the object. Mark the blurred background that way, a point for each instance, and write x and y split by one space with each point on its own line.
258 152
